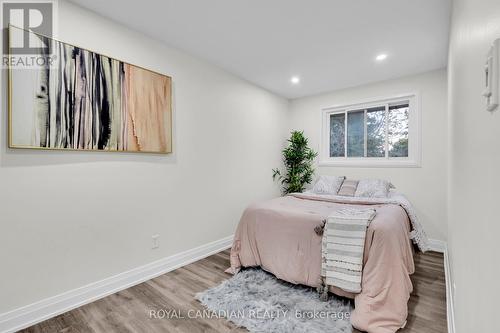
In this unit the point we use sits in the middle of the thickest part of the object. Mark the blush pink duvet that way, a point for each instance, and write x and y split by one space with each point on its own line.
278 235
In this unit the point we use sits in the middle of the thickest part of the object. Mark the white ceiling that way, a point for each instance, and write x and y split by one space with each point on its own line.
329 44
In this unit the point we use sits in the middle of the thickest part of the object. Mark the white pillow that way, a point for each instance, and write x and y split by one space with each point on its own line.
328 185
373 188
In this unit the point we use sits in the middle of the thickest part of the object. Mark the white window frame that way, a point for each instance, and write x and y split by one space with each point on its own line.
414 135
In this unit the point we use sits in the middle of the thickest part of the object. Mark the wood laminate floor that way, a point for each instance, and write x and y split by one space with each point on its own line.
129 310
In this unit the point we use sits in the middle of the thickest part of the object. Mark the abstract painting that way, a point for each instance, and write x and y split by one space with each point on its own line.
88 101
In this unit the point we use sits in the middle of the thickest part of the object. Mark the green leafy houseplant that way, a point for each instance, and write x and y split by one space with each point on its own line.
298 160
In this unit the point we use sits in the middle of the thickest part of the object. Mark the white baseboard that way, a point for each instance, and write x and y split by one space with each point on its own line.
450 308
442 247
26 316
437 245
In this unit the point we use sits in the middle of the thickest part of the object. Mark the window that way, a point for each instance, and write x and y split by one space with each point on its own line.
378 133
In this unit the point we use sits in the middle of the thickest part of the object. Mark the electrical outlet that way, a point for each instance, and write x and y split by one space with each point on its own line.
156 241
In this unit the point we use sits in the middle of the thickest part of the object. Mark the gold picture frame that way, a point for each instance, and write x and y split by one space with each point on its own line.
88 102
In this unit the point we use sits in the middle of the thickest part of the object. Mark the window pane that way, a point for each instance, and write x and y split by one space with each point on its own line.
398 130
356 133
375 132
337 135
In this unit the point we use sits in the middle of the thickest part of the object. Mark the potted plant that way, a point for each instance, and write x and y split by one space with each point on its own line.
298 160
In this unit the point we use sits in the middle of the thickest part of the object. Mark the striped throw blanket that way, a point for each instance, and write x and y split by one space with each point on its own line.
343 246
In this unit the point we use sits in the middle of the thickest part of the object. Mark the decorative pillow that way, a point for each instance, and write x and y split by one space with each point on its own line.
373 188
328 184
348 188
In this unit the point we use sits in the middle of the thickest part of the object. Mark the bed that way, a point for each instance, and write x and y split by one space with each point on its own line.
278 235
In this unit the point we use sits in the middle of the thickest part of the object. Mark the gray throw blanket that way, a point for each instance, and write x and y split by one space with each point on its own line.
343 245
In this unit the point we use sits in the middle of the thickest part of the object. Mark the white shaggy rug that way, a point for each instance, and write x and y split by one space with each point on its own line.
258 301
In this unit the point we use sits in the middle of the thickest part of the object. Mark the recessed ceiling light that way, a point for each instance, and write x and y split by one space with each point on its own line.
295 79
381 57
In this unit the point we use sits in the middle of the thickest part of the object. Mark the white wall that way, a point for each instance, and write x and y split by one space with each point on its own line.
68 218
425 186
474 223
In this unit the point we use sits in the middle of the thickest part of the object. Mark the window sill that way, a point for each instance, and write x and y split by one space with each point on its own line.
364 163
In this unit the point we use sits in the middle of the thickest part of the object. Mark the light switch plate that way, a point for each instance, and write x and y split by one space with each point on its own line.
492 77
